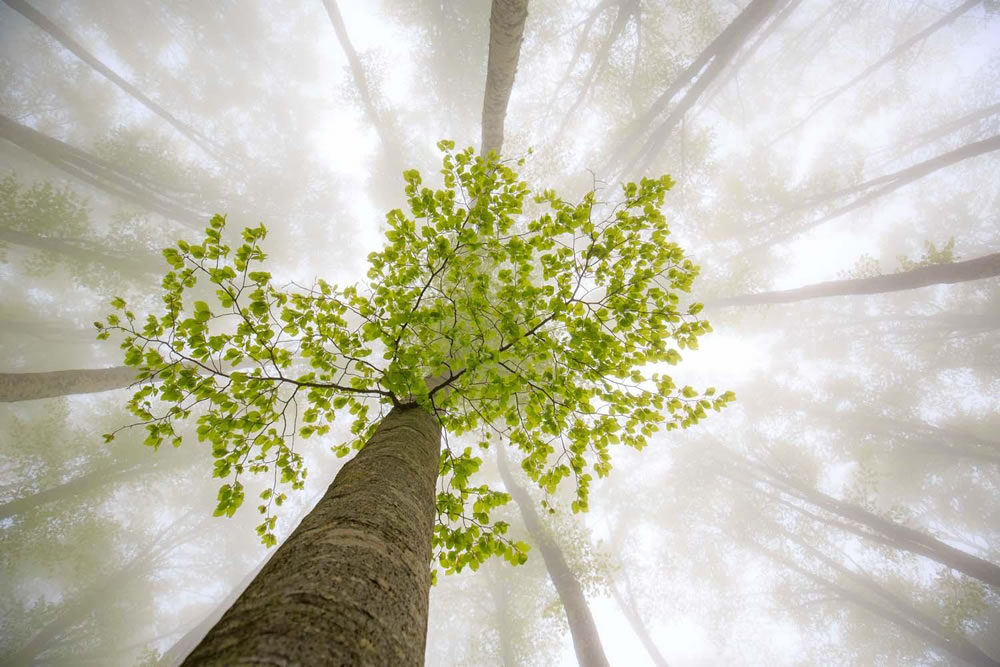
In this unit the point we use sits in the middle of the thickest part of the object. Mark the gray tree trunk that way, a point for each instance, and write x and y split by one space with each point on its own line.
29 386
987 266
586 640
100 173
878 528
350 585
56 33
506 34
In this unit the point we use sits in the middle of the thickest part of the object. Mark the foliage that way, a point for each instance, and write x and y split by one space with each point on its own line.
869 267
532 328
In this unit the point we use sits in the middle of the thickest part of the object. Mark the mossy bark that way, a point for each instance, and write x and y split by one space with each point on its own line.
350 585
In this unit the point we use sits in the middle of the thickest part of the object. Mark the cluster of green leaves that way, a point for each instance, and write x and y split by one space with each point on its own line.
535 328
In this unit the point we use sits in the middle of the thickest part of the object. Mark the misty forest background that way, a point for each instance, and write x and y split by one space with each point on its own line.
844 511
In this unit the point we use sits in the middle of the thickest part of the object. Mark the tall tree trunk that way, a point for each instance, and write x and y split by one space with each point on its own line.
625 11
187 643
98 173
54 31
979 268
358 72
81 249
29 386
586 640
696 78
507 19
350 585
875 188
105 473
882 530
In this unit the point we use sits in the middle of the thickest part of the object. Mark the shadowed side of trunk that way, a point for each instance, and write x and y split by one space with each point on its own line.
586 640
350 585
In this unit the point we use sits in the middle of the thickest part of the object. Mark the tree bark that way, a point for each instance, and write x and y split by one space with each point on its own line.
29 386
54 31
350 585
586 640
979 268
507 19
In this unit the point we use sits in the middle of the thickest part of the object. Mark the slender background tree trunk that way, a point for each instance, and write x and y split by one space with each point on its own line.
987 266
586 640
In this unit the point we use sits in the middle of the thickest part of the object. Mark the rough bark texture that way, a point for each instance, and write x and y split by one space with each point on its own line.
586 640
29 386
350 585
987 266
77 49
506 34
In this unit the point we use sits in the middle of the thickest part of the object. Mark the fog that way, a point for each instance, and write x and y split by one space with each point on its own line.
837 181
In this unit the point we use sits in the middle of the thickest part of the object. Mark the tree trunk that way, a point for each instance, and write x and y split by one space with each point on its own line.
358 72
883 530
350 585
105 473
713 61
506 34
29 386
586 640
987 266
504 612
878 187
87 251
98 173
54 31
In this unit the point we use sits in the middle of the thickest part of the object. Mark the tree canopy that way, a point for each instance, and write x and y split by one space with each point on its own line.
534 327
